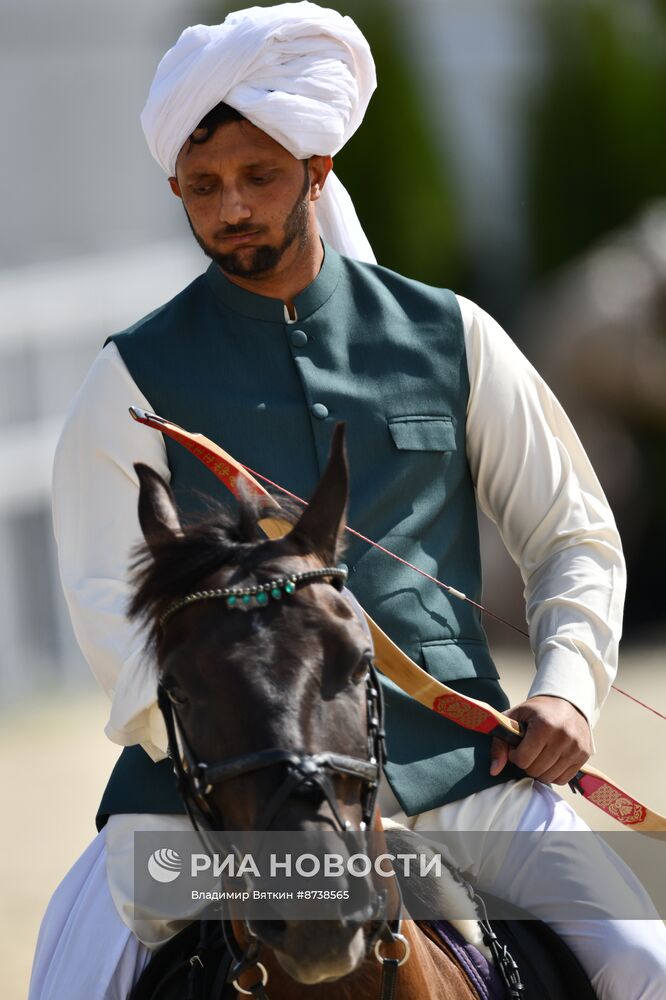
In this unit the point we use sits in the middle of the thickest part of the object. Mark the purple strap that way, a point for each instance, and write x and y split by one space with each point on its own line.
484 977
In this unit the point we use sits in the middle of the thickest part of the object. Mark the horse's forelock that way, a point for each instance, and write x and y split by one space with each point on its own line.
174 566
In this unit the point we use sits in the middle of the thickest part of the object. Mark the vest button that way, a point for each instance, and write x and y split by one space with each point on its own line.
299 338
319 411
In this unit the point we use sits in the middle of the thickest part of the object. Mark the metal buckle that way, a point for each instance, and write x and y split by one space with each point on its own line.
264 980
395 937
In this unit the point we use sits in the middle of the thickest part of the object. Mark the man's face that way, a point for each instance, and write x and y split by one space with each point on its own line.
249 202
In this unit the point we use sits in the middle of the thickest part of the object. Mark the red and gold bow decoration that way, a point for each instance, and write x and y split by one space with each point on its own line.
467 712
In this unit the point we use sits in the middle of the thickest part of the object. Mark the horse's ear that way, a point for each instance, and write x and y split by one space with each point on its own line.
322 523
158 516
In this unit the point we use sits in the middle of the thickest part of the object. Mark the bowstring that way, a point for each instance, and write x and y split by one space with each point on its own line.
445 586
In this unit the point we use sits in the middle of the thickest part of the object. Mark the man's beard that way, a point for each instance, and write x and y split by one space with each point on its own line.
264 258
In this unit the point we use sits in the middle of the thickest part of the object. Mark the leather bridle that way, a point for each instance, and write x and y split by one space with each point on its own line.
197 780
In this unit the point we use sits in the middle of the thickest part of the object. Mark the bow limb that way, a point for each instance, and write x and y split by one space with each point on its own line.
391 660
611 798
467 712
221 464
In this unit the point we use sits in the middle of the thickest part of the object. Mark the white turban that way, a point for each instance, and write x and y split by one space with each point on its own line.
301 73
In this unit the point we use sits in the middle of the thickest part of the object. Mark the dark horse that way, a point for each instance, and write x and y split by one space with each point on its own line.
265 670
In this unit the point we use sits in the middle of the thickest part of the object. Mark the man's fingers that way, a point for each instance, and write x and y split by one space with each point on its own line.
556 744
529 748
499 755
548 759
564 772
554 764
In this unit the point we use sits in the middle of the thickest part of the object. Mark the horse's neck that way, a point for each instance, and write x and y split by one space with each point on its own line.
429 974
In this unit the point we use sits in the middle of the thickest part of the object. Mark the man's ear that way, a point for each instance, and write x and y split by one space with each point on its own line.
175 187
320 167
158 516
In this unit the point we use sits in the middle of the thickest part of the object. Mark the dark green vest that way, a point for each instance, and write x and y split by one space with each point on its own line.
386 355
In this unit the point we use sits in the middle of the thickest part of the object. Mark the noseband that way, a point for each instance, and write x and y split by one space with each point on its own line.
197 780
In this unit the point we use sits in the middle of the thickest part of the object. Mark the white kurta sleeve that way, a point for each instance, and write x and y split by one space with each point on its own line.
95 515
534 480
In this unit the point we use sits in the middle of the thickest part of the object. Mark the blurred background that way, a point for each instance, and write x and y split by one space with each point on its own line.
515 151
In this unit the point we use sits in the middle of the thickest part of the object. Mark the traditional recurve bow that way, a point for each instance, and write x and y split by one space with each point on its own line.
467 712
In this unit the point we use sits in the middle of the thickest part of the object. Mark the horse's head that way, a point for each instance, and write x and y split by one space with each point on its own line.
265 673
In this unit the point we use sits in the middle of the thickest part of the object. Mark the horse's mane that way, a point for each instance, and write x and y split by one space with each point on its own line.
175 565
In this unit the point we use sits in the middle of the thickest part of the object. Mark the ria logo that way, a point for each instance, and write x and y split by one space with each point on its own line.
165 865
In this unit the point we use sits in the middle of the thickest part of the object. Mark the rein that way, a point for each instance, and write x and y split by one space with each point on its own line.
197 781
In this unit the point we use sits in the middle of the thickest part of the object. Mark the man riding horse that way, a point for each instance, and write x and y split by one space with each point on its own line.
292 328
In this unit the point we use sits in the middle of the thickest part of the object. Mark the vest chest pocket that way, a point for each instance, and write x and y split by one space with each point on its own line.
422 433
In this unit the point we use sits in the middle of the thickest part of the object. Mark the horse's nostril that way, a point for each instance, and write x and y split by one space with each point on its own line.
359 906
271 932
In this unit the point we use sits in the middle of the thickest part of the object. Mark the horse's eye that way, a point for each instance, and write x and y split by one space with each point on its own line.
361 670
175 694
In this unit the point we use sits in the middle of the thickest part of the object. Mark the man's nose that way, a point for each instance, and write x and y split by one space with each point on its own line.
232 207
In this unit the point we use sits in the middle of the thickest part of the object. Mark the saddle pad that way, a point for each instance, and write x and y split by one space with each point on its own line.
485 979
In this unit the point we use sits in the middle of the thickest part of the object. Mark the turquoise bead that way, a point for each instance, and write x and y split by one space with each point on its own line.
231 600
289 588
276 593
246 599
262 598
